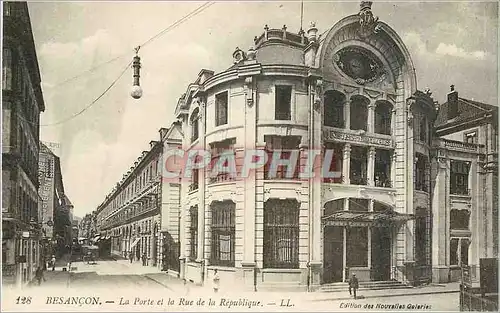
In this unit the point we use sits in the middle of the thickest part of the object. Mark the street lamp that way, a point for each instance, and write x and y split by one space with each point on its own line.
136 91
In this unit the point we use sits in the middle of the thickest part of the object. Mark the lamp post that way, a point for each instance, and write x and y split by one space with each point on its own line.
136 91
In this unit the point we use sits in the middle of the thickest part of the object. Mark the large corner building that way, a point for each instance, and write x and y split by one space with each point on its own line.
417 195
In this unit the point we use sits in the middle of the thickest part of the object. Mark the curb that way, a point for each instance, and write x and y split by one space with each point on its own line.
389 295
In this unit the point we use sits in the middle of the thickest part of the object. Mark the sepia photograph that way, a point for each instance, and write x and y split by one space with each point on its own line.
267 156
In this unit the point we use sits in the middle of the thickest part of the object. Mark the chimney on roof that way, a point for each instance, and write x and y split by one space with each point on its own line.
452 103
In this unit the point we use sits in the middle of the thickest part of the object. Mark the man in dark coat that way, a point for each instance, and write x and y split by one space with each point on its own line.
353 285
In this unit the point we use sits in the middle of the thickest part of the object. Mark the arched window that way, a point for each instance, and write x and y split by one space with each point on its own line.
223 233
359 113
194 125
383 115
334 109
281 234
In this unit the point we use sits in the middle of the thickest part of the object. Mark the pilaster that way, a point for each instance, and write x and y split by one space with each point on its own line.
346 164
347 113
371 117
371 166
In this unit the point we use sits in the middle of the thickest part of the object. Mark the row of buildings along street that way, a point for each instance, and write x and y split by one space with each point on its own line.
37 216
416 201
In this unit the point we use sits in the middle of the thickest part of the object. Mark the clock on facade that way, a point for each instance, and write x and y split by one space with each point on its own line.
358 64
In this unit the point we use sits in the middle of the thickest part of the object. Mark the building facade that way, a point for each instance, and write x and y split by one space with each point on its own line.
349 98
352 92
22 103
128 218
465 186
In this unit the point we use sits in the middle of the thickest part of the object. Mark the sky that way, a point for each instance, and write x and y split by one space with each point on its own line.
450 43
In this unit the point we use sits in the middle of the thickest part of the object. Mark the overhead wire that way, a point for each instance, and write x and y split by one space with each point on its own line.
175 24
193 13
93 102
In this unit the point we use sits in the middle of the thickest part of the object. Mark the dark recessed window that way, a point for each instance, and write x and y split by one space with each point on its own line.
221 101
283 103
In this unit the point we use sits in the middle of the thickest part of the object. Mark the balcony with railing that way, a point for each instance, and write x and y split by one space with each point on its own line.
461 146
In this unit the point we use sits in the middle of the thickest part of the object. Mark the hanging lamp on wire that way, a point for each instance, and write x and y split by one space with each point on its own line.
136 91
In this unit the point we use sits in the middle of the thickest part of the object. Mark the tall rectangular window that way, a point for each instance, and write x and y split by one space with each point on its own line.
225 147
454 251
221 101
7 69
281 234
194 125
420 173
193 232
459 177
194 179
283 103
287 145
223 233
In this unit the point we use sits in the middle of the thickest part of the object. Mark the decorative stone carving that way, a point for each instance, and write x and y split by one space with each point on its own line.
318 94
248 90
372 94
251 53
312 32
367 23
239 55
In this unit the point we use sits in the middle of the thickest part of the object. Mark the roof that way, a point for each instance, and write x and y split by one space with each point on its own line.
468 110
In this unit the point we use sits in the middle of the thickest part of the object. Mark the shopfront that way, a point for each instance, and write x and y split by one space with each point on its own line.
358 238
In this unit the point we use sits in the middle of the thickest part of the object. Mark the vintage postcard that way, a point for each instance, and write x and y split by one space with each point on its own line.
249 156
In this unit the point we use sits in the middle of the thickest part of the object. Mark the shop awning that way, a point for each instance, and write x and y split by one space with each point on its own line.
353 218
134 243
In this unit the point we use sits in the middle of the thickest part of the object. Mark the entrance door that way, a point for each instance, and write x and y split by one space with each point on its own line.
381 253
333 247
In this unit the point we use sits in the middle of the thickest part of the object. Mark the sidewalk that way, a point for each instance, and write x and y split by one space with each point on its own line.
424 290
178 286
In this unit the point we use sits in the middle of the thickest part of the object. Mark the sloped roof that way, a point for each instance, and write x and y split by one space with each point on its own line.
467 110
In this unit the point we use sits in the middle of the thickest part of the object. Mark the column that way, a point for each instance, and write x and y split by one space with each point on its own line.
184 209
393 168
371 166
346 164
201 188
439 222
393 121
371 117
249 183
370 209
347 113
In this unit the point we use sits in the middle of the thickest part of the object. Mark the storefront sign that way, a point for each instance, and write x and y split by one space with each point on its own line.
330 134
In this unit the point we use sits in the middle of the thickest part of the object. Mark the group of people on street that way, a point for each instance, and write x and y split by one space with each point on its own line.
144 258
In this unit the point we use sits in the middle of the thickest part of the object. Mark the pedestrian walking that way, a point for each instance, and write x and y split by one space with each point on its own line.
53 262
216 281
144 259
354 285
131 256
39 275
